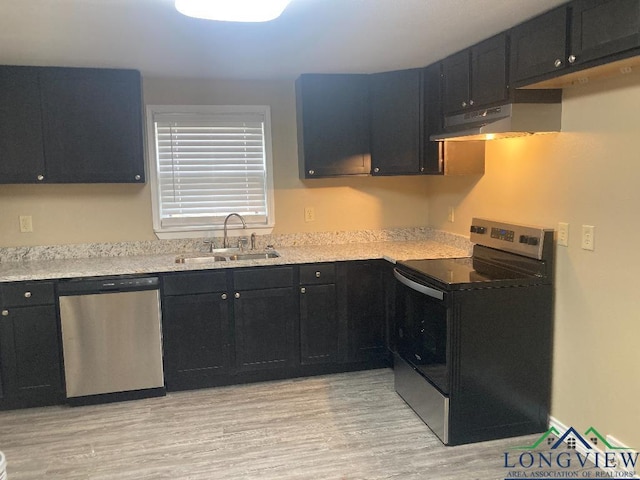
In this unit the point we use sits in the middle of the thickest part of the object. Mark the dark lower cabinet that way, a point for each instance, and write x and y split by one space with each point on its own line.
30 373
264 321
363 300
196 338
196 329
321 334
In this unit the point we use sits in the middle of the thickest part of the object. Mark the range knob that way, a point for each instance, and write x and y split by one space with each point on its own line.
479 230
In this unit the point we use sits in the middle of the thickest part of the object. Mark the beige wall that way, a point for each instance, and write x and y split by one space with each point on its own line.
65 214
589 174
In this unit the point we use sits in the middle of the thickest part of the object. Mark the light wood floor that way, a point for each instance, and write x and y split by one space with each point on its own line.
345 426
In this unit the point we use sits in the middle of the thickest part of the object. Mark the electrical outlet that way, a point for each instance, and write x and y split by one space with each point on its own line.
26 224
563 234
309 214
451 214
588 237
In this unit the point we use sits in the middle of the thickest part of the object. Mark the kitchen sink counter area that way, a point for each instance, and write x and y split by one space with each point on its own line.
13 271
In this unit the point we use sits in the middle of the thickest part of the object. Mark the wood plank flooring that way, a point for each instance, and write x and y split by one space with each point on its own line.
345 426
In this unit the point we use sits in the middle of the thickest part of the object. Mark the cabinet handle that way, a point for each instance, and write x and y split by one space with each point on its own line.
317 274
303 290
311 172
422 169
236 295
223 296
572 58
40 177
5 313
376 170
557 63
464 104
470 102
27 294
137 177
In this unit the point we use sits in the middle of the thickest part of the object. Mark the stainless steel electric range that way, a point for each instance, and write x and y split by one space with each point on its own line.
473 336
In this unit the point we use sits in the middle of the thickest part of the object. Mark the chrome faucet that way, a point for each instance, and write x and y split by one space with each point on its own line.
225 240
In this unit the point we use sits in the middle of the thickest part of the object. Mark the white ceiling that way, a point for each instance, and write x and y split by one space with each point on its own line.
326 36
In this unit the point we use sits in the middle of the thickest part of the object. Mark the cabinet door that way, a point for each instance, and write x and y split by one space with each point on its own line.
92 125
30 357
538 47
21 155
431 159
264 321
319 329
366 315
489 71
456 91
396 113
603 27
333 125
196 339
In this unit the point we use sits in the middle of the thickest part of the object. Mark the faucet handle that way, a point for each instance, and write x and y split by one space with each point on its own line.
211 244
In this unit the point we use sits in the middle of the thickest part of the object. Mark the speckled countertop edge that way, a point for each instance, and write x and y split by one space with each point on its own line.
145 264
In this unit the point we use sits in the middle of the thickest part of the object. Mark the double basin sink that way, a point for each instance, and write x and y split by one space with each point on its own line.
225 255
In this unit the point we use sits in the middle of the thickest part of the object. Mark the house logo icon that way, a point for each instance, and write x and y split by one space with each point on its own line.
570 454
570 440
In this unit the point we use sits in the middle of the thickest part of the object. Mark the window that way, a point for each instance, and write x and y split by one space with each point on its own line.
207 162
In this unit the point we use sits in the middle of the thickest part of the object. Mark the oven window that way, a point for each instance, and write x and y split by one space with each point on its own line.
421 335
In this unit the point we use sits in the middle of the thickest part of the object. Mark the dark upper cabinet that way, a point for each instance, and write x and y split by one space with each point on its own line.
333 125
476 76
21 153
70 125
396 122
576 36
456 75
600 28
30 373
432 159
92 125
489 82
539 46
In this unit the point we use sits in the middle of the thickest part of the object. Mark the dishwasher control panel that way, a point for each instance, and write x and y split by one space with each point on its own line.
106 284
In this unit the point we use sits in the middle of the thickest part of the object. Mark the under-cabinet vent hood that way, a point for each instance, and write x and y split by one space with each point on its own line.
505 121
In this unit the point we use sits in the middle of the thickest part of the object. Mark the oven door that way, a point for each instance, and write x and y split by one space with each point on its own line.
421 329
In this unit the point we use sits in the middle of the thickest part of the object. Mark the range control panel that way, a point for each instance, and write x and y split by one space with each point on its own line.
525 240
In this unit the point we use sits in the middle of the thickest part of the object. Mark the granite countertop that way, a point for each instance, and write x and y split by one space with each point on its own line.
157 263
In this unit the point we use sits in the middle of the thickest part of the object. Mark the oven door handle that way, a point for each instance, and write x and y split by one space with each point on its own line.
431 292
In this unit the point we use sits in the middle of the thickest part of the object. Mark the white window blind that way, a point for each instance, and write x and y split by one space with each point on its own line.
211 165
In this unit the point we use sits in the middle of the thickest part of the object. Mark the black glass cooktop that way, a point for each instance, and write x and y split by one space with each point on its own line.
457 272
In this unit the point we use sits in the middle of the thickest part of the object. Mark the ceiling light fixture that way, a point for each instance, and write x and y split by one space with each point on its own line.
233 10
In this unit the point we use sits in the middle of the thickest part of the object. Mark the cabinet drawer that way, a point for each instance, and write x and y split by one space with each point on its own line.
27 293
195 282
261 278
320 273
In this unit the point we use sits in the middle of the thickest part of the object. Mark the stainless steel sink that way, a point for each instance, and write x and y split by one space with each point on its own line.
224 255
200 258
253 256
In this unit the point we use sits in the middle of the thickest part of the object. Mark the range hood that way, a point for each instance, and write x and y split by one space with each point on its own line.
532 114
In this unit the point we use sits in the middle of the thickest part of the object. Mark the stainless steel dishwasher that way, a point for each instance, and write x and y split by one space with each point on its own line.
111 339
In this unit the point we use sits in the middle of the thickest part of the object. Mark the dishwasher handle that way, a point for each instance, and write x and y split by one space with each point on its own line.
86 286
